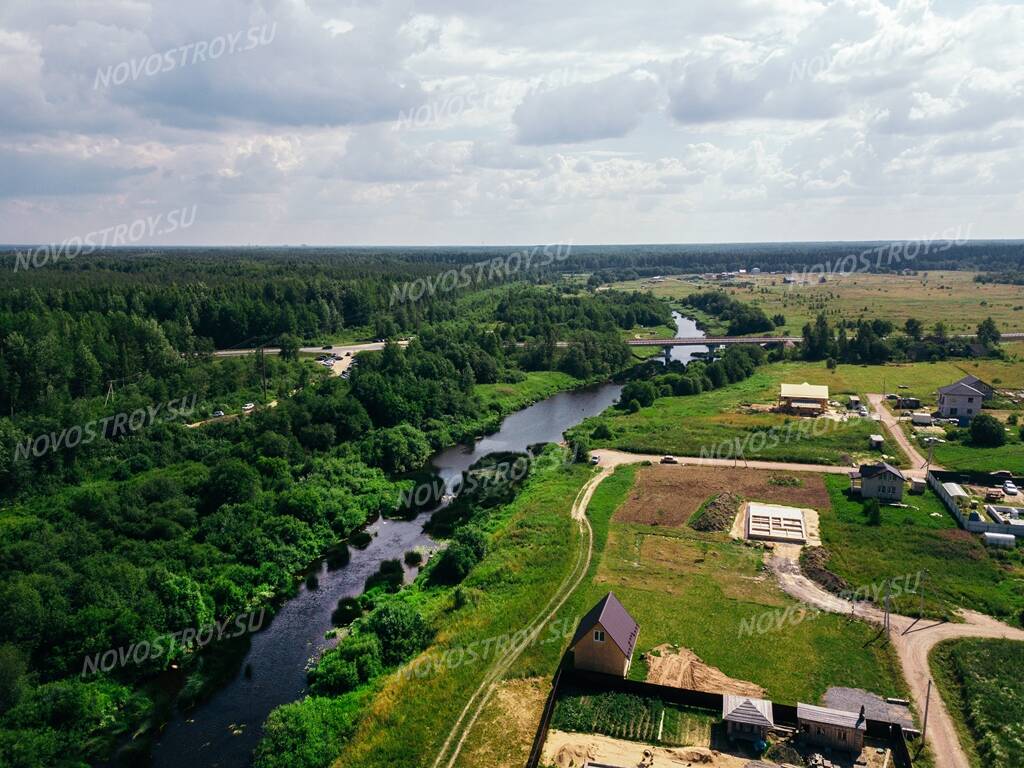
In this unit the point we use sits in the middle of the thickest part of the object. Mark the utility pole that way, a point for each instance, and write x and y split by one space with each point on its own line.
263 366
920 612
927 701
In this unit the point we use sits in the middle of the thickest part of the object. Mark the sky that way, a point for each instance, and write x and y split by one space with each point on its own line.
403 122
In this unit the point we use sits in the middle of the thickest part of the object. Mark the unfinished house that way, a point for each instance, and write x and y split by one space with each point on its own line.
803 399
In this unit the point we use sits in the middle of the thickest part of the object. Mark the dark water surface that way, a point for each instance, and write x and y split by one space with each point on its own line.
202 737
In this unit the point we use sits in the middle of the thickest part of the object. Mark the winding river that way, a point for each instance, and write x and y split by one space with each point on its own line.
223 731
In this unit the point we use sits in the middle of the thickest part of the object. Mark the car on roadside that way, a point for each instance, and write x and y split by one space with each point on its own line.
218 414
1010 488
328 346
595 459
669 460
249 407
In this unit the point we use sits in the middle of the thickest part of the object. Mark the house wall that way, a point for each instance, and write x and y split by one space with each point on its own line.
745 731
964 407
600 656
833 736
883 487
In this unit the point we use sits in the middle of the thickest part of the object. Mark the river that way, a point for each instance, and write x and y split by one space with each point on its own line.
203 736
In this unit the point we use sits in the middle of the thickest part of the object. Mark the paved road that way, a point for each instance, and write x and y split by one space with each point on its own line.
918 462
913 640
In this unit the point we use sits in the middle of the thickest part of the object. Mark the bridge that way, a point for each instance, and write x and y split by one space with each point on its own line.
705 341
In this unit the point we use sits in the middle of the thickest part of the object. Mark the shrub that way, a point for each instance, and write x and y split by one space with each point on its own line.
401 631
987 431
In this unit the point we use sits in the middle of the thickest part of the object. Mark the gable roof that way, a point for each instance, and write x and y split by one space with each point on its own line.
974 381
960 388
805 390
874 470
616 621
744 709
826 716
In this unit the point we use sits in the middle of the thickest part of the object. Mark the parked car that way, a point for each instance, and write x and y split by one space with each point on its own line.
1003 473
348 354
669 460
892 396
249 407
1009 488
595 459
328 346
994 494
218 414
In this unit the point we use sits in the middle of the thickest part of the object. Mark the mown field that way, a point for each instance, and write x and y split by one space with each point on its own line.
713 421
952 297
961 572
537 385
983 688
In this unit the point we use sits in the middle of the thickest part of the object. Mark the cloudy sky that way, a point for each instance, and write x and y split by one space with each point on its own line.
512 121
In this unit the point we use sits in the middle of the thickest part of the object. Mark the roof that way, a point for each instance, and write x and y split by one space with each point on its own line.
953 489
744 709
877 438
974 381
874 470
614 619
959 388
805 390
826 716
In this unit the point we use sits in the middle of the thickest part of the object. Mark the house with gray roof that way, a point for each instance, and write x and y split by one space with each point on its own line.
880 481
832 728
747 718
605 638
962 400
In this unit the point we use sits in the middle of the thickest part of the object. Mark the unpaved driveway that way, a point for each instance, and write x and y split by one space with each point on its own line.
612 458
892 424
913 640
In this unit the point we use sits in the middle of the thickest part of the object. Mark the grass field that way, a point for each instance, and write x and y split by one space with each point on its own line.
961 572
952 297
959 455
710 421
982 686
509 397
411 716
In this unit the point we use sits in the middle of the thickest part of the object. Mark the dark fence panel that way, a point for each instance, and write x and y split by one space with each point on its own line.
545 719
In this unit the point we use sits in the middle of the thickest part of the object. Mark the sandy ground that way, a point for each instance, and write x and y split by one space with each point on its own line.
913 639
509 722
684 669
892 424
572 750
669 494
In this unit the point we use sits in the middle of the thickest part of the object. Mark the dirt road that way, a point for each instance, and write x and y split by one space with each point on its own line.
892 424
610 458
913 640
451 748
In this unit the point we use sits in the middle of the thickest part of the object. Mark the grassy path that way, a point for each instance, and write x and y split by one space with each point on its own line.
452 746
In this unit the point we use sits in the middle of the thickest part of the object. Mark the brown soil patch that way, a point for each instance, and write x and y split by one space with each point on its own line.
682 668
718 514
507 725
573 750
814 564
670 495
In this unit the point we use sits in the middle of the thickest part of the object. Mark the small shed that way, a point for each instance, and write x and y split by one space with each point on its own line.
605 638
833 728
876 441
921 419
999 540
917 485
747 718
854 402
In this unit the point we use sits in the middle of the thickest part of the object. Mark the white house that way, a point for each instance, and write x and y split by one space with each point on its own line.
962 399
880 481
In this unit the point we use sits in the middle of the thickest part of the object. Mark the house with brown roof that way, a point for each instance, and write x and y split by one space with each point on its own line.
747 718
605 638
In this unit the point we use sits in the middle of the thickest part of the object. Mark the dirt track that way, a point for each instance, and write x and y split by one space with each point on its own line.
892 424
612 458
912 639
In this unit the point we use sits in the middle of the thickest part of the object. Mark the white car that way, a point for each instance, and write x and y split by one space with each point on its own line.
1009 488
218 414
248 407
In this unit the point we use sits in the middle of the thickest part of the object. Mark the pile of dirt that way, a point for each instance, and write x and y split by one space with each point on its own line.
718 514
573 756
813 562
683 668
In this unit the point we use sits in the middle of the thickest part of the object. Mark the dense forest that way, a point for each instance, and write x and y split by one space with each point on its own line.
141 533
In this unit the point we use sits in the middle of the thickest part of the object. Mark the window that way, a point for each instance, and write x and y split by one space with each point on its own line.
952 411
598 635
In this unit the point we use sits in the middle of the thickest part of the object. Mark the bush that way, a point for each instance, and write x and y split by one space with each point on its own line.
401 631
306 733
873 512
987 431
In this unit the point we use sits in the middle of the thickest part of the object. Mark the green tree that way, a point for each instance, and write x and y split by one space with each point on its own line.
988 333
987 431
401 631
913 328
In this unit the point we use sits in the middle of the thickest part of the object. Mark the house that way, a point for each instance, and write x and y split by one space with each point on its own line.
747 718
605 638
878 481
833 728
962 399
803 399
